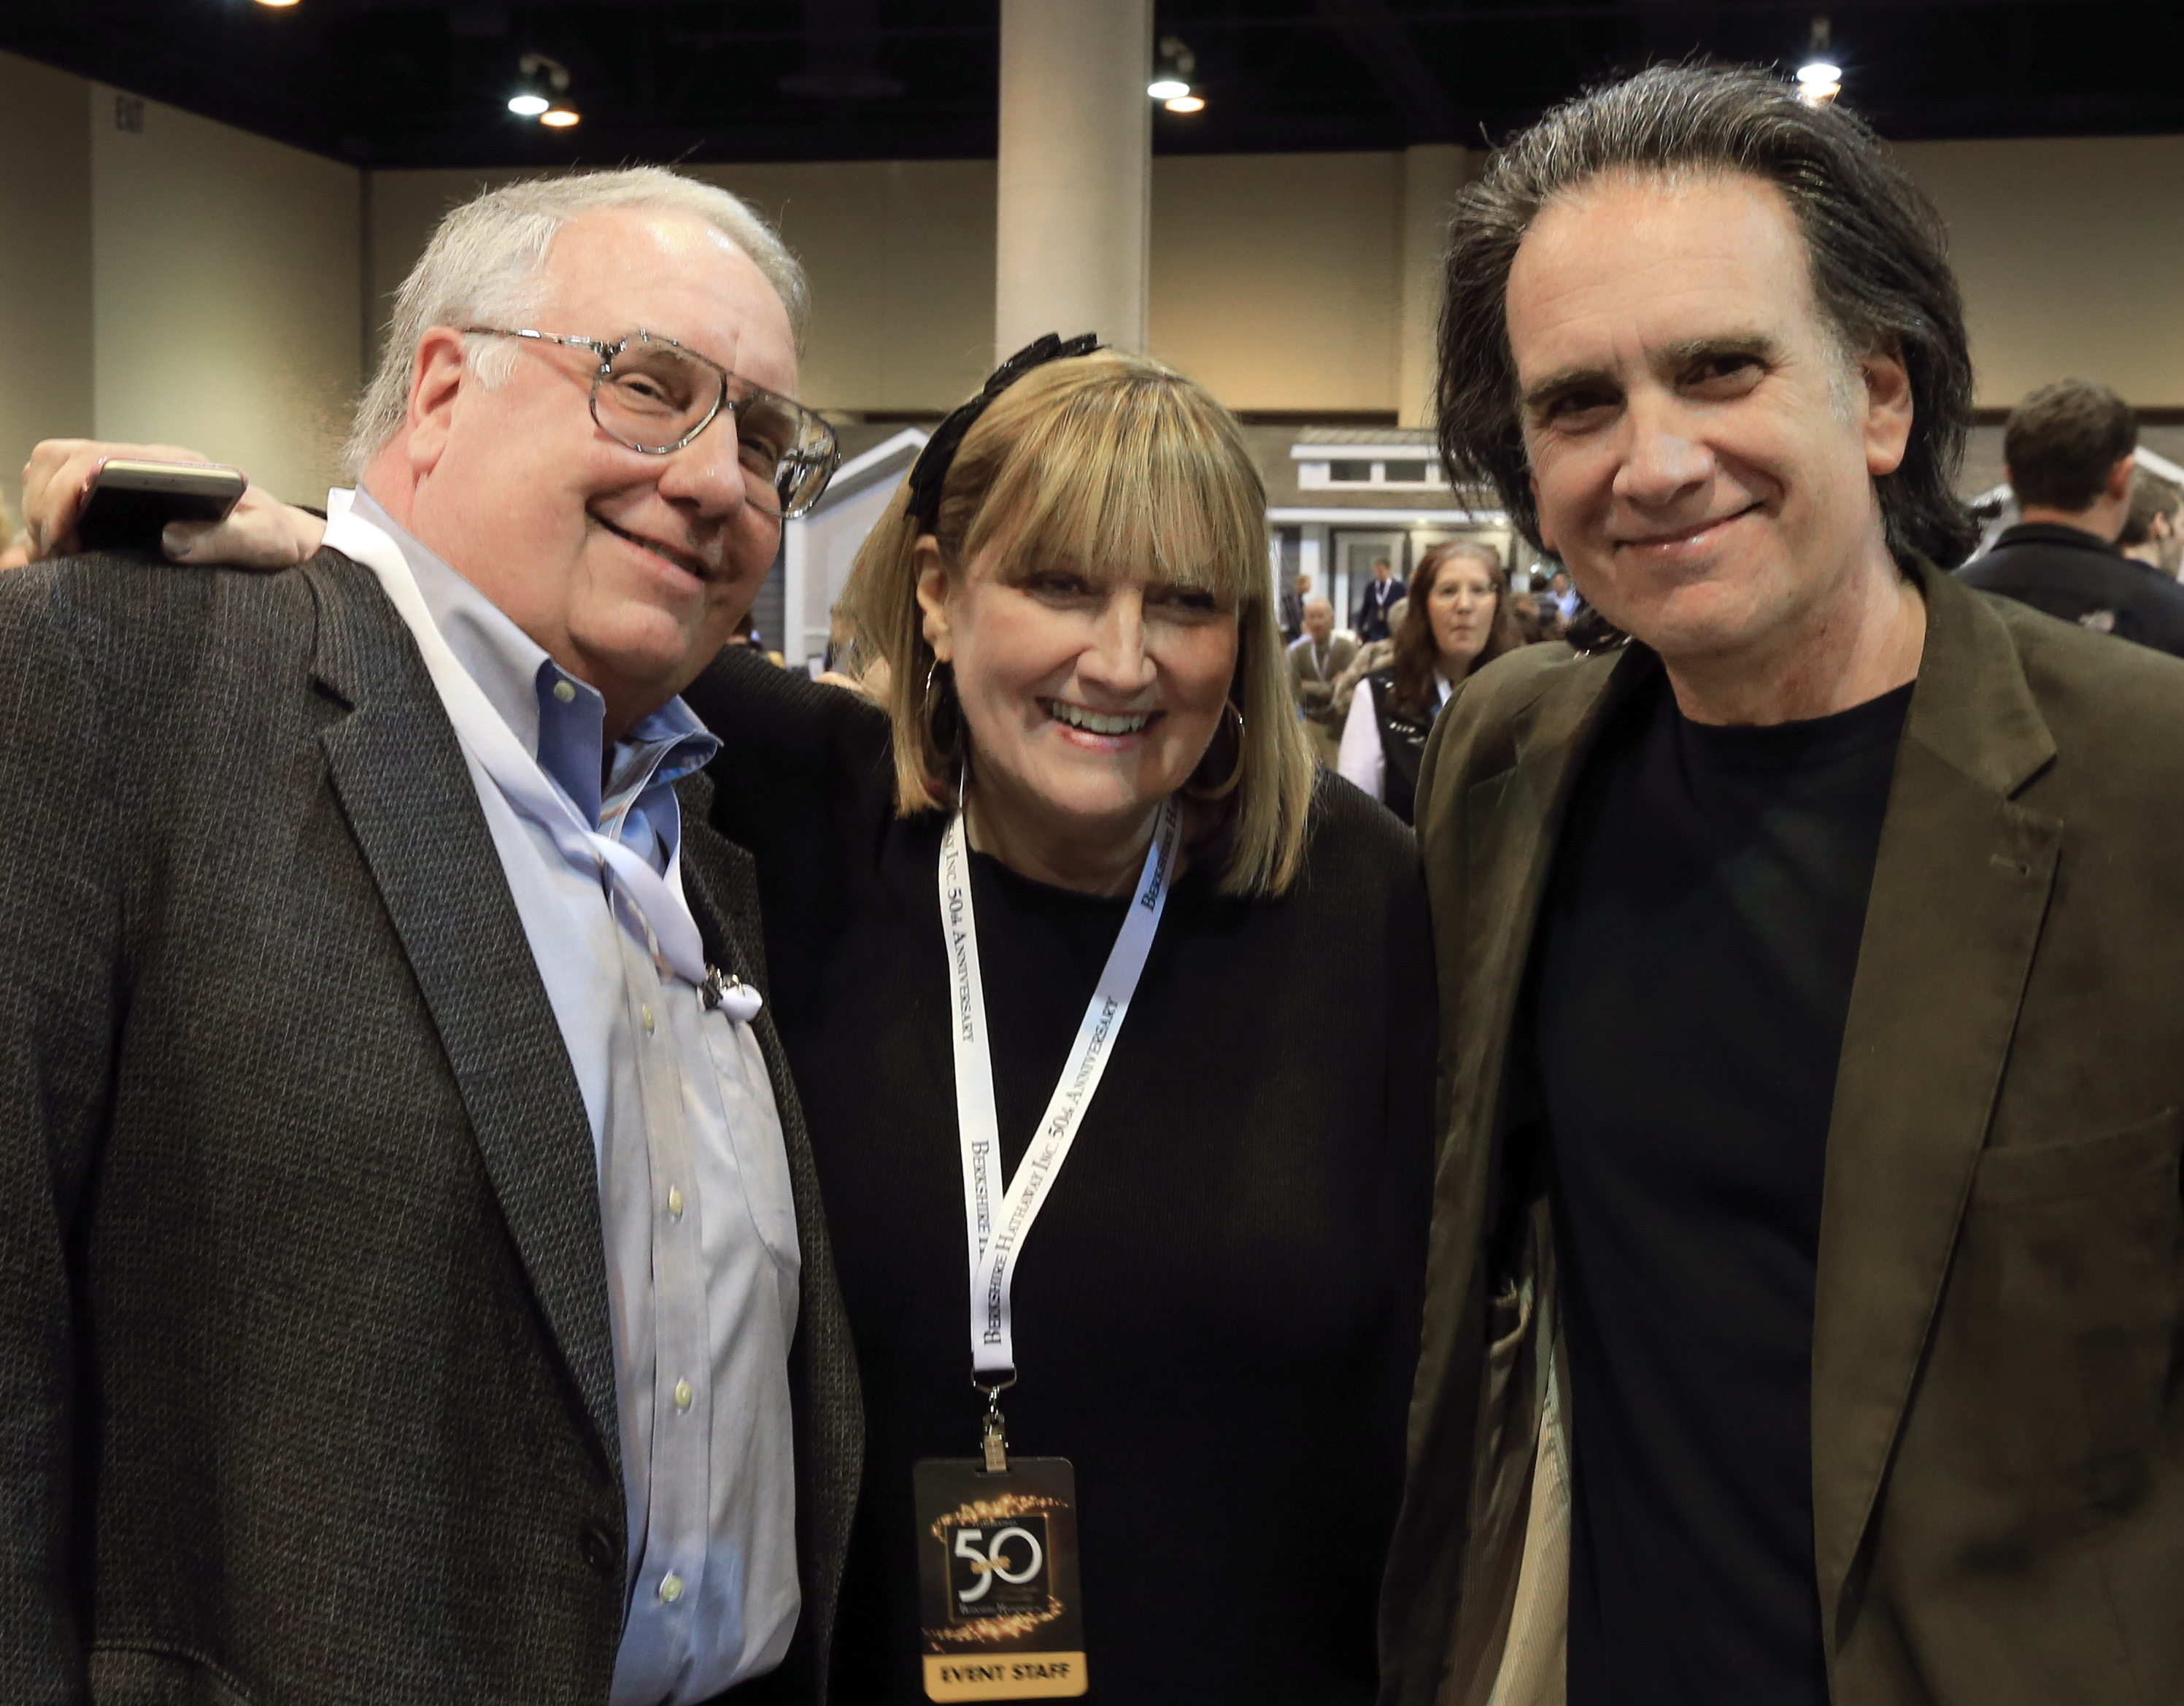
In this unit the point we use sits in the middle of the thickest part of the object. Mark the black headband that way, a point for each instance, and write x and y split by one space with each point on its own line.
930 472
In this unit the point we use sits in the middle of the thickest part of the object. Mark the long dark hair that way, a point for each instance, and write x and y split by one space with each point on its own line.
1876 245
1416 650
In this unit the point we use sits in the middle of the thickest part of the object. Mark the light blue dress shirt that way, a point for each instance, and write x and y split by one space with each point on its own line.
695 1204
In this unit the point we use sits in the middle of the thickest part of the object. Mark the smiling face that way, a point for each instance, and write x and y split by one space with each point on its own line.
1088 695
631 570
1460 610
1702 449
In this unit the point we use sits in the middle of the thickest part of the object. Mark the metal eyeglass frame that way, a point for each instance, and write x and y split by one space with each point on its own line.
607 353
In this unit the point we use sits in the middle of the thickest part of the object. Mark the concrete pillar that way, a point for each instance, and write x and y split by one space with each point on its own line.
1076 170
1432 173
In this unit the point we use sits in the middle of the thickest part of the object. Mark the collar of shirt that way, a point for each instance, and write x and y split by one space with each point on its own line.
560 720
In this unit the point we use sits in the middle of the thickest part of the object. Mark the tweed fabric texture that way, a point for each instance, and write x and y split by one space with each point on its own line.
306 1387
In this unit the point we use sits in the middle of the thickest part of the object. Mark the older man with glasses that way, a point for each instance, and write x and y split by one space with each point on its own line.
415 1288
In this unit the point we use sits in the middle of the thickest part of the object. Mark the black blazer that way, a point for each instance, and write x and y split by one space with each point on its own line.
306 1390
2073 574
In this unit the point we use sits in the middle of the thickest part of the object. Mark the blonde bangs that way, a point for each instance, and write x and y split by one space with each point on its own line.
1105 463
1096 465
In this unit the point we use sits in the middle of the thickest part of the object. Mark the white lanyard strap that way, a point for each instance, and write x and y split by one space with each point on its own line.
997 1221
659 899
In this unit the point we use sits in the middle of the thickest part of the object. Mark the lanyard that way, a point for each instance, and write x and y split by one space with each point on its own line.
997 1219
658 898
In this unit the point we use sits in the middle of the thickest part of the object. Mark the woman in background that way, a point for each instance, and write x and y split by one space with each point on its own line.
1458 620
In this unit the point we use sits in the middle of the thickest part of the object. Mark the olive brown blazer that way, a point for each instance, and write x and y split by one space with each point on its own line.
1997 1394
306 1390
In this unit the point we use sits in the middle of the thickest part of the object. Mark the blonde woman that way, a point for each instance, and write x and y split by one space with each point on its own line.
1213 1313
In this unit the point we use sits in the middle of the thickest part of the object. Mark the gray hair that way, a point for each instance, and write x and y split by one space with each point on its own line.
486 265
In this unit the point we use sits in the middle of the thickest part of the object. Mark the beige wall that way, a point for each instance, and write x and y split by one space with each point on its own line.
45 261
226 301
2071 255
1277 277
195 284
900 254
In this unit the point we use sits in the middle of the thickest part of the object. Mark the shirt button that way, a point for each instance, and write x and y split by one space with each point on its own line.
675 1202
645 1013
565 691
681 1394
671 1587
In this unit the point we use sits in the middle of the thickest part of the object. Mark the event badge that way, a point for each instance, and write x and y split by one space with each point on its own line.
999 1601
997 1580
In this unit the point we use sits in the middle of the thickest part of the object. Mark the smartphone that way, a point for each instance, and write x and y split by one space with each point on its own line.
129 503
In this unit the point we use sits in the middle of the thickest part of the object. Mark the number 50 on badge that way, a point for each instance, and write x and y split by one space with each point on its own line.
997 1580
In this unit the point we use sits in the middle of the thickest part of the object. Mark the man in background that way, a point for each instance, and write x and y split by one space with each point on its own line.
2154 532
1375 602
2067 448
1293 598
1317 658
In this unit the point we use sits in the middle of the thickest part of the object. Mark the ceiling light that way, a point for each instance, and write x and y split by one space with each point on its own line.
1185 103
1172 72
1820 78
540 83
277 5
560 118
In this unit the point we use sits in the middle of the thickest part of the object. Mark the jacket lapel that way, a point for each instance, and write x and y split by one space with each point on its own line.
1959 891
1512 819
409 800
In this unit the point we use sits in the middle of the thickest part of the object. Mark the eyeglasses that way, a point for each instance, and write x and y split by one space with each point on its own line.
654 396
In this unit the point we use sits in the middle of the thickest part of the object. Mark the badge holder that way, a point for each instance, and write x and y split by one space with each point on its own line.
997 1572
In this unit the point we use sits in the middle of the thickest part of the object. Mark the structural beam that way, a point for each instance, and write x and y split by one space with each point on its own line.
1073 230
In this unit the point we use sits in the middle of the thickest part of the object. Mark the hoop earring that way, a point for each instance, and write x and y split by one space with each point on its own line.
944 717
1197 791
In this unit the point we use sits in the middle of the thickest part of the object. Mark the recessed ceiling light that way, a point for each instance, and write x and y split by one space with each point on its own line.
1167 88
529 106
277 5
1185 103
560 118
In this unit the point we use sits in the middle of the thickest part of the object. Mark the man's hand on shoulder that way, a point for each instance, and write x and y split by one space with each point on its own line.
260 533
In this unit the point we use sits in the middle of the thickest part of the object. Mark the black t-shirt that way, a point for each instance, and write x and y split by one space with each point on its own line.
1692 983
1217 1315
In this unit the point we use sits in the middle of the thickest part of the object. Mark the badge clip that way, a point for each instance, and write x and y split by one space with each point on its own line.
994 1442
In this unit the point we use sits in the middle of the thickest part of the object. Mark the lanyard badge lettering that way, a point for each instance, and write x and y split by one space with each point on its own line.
997 1537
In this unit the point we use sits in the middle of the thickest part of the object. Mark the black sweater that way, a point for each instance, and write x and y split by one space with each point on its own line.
1216 1312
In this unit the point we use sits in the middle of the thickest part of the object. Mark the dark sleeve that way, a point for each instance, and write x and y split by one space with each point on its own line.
59 906
798 759
1407 1069
1370 852
805 782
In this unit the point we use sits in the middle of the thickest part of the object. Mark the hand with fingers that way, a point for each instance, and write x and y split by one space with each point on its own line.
260 533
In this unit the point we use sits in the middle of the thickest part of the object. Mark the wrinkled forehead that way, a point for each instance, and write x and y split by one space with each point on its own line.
1639 257
609 273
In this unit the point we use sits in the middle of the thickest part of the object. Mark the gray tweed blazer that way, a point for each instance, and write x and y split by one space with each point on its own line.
305 1386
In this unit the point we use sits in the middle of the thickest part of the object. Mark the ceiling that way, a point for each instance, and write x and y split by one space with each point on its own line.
424 82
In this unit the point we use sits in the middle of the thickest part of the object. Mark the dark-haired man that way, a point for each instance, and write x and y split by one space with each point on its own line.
2068 447
1375 602
1804 1290
2154 532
